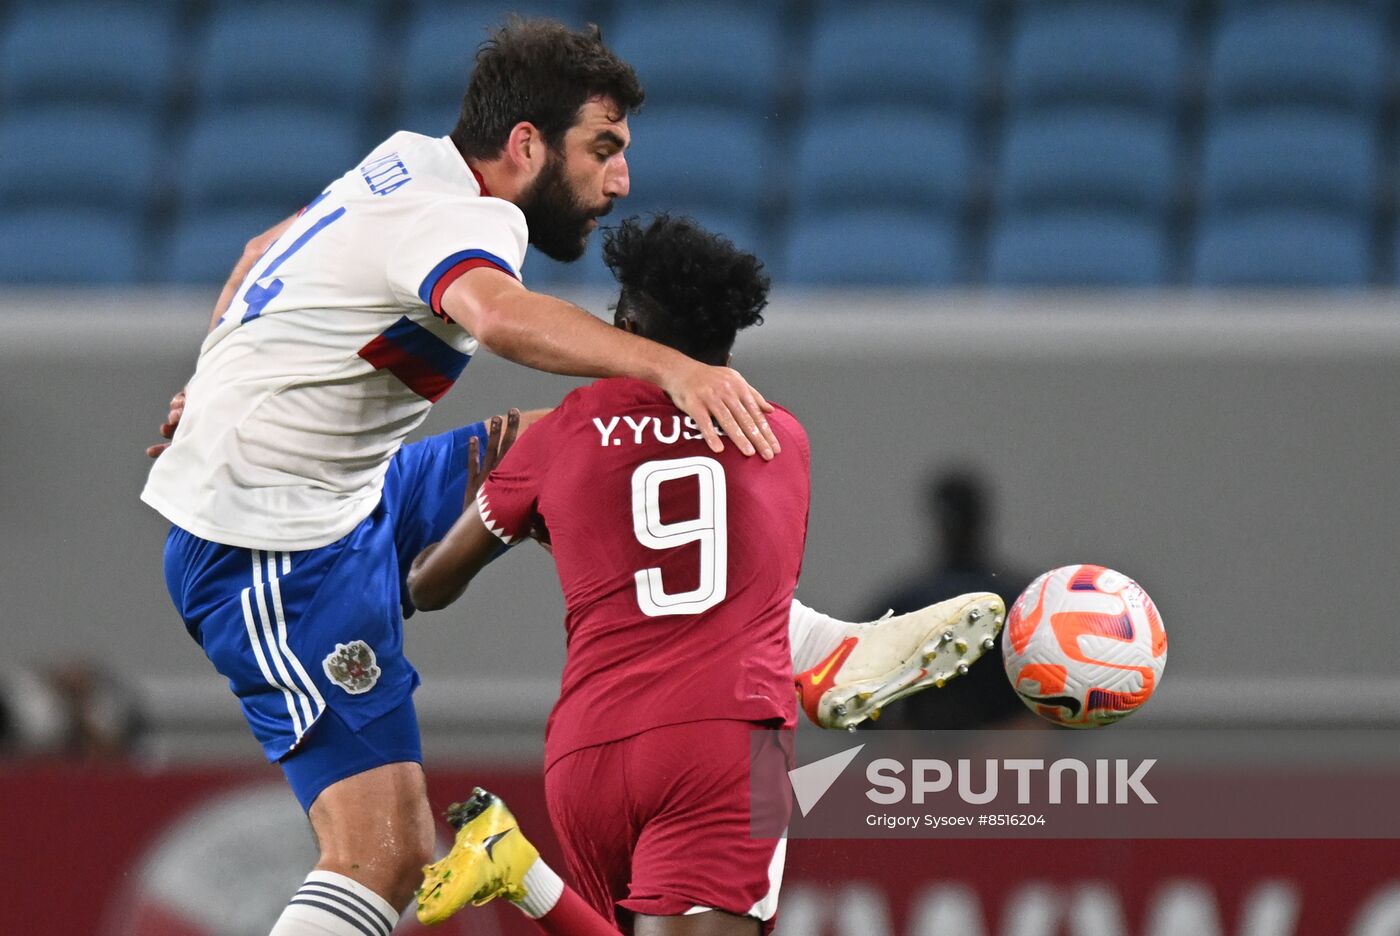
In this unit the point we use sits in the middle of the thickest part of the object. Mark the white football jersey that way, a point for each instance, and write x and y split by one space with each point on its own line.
333 350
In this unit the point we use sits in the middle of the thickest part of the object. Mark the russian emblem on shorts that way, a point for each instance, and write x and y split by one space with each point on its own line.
352 667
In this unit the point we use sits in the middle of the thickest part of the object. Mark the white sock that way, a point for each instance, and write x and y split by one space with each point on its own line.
330 904
543 888
814 635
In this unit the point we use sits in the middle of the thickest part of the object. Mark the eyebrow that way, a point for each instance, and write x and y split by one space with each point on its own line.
608 136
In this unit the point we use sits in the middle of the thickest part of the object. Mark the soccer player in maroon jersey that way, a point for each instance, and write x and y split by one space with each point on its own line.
678 566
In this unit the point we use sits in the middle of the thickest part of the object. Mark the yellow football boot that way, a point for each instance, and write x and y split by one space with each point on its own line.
488 859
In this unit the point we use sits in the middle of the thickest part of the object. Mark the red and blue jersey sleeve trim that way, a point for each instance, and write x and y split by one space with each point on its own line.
446 273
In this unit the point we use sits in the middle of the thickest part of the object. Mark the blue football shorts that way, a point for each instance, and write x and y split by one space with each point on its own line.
301 636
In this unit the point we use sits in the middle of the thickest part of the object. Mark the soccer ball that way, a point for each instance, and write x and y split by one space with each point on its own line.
1084 646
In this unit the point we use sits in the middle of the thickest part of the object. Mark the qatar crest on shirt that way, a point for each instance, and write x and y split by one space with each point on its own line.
352 667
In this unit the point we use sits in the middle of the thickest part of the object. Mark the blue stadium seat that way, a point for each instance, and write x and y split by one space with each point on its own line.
703 53
307 52
276 157
89 53
1282 248
910 54
440 46
68 247
1088 158
1310 53
700 156
974 7
427 119
203 247
1395 257
439 49
1089 249
79 157
588 272
1106 53
1291 158
929 162
872 248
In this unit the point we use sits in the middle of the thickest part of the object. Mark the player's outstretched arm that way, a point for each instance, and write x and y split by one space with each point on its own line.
552 335
443 570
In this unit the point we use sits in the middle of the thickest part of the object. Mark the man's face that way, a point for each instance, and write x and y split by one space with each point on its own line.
579 182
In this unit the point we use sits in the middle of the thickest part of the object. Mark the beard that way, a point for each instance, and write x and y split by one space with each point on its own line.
556 217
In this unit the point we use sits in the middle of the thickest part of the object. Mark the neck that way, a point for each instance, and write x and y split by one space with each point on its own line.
496 178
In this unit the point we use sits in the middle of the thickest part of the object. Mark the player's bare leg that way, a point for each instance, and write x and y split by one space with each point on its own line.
490 858
709 923
375 831
845 672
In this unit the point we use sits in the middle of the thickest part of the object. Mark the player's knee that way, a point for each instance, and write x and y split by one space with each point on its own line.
377 828
408 873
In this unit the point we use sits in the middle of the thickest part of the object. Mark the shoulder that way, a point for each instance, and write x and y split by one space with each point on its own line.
792 436
783 420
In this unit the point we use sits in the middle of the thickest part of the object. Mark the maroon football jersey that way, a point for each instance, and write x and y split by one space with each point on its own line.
678 565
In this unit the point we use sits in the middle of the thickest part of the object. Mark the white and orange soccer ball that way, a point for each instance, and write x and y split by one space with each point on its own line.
1084 646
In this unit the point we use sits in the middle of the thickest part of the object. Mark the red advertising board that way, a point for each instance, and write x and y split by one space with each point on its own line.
103 851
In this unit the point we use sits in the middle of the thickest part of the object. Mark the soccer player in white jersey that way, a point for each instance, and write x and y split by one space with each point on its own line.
295 507
288 503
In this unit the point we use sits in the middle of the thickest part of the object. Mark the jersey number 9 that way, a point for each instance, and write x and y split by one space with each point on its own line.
709 528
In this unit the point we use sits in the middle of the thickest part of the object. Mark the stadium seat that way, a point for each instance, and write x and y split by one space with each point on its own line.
1105 53
1290 158
203 247
703 157
1282 248
588 272
928 162
709 54
276 157
1088 159
1089 249
298 53
1306 53
440 44
1395 257
88 53
68 248
872 248
909 54
975 7
426 119
79 157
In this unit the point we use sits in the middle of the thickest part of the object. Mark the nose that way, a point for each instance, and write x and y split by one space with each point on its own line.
617 182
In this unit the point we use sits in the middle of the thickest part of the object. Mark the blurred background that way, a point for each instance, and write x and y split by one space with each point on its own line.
1055 281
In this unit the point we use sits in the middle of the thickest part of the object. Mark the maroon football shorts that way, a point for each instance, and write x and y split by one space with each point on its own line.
659 823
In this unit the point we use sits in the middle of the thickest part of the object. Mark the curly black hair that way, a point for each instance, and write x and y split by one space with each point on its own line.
684 286
540 71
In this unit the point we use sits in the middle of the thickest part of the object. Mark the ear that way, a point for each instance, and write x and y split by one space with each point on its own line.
526 149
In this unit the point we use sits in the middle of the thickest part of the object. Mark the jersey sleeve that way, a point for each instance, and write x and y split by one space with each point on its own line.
450 237
509 498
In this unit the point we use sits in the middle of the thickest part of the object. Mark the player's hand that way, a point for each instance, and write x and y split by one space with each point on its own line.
500 436
167 428
721 396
